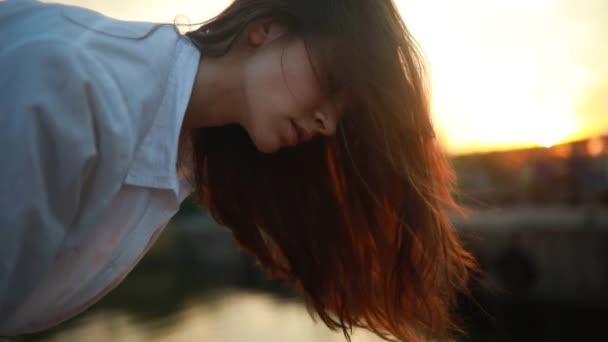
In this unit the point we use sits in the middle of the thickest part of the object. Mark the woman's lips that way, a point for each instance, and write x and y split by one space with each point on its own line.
301 135
294 137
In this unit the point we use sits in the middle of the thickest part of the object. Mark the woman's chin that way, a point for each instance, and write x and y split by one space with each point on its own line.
267 147
262 142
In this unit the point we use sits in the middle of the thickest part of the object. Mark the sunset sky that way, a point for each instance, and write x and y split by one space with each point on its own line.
505 73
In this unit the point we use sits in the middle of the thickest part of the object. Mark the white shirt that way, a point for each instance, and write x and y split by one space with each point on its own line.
89 128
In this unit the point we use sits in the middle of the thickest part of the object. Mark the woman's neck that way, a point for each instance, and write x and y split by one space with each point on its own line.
216 98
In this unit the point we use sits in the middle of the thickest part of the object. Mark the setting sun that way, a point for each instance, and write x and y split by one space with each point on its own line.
509 74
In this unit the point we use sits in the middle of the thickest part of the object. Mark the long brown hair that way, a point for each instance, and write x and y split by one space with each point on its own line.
357 222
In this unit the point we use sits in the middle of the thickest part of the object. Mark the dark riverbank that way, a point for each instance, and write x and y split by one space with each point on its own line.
545 271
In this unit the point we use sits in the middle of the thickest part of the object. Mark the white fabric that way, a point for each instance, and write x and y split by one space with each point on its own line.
89 127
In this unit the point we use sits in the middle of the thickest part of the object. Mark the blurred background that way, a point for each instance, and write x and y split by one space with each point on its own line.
520 101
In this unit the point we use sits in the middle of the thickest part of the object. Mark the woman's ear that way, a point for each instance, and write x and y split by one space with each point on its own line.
263 31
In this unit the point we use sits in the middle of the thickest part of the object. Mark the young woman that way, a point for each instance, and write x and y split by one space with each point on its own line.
302 125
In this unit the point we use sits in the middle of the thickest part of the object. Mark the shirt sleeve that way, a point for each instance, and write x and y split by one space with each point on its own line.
48 142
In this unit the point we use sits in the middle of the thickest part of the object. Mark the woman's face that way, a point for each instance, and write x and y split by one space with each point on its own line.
284 101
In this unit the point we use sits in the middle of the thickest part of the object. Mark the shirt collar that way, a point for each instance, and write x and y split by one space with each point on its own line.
155 161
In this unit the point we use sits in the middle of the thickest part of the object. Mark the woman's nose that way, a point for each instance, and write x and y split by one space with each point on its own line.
325 124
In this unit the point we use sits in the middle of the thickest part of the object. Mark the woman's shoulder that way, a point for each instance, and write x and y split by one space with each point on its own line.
23 21
57 94
127 69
